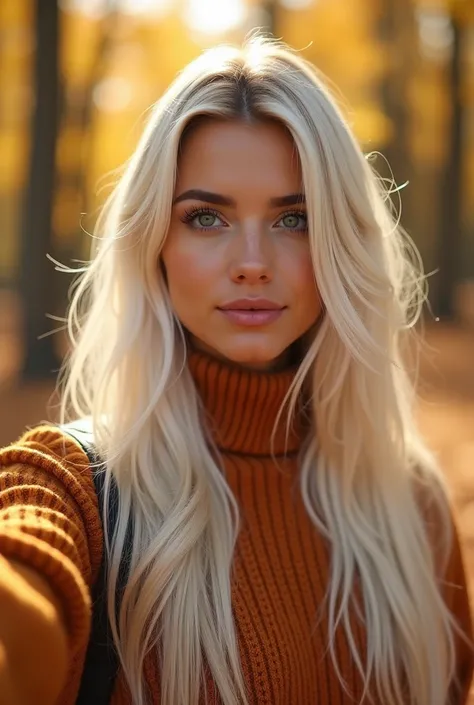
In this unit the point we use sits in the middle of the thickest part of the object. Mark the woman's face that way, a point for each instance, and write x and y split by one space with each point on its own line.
237 255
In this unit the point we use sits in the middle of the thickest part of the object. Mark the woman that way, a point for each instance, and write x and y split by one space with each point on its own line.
237 349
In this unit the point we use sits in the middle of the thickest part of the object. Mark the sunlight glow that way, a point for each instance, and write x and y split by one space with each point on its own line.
214 16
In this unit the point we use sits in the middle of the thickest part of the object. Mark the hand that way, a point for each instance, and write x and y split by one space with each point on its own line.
33 639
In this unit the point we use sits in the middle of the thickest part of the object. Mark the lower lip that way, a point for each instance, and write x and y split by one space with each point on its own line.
252 318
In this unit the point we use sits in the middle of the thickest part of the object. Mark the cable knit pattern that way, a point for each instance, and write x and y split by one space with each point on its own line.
49 518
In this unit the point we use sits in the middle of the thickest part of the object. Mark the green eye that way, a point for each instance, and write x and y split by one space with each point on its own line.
203 219
206 220
296 221
291 221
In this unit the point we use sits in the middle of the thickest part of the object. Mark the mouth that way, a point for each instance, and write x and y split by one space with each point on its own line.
252 317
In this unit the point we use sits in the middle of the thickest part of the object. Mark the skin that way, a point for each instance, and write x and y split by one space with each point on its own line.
249 248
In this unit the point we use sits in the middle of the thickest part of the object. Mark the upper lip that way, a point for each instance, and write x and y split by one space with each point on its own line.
248 304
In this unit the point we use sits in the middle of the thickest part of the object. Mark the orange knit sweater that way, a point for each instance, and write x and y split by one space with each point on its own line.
49 519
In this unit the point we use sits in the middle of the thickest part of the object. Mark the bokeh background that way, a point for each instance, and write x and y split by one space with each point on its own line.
76 80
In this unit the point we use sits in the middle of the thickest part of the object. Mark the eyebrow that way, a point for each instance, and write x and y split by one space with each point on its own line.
220 200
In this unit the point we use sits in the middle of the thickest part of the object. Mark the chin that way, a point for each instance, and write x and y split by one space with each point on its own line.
260 358
258 352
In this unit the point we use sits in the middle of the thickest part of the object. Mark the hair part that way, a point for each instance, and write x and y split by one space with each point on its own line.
357 471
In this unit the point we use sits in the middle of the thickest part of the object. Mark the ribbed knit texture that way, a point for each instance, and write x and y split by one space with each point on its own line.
49 518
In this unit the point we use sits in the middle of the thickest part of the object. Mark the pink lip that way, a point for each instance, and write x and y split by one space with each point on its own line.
252 303
247 317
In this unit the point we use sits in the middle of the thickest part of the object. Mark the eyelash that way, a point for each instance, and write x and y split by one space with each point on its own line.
194 212
190 215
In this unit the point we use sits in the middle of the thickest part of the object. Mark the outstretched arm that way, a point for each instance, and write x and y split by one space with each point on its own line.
51 546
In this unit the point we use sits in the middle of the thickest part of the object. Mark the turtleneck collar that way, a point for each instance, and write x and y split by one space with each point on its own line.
242 406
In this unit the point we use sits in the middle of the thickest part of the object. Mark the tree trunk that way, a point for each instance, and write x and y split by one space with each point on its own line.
397 29
451 186
269 8
37 282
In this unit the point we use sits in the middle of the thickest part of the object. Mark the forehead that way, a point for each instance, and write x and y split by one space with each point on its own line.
232 156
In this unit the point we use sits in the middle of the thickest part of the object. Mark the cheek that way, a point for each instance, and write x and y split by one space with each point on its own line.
189 273
303 283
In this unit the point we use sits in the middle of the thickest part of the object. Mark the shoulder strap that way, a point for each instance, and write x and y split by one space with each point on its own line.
101 663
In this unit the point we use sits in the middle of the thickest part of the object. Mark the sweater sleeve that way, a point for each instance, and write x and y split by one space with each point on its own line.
49 521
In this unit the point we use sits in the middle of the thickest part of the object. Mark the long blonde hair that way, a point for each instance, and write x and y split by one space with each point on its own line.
128 372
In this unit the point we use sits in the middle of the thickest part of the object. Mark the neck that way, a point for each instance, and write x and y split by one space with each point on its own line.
242 406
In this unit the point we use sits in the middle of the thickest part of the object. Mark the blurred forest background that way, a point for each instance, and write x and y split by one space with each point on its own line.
77 77
76 80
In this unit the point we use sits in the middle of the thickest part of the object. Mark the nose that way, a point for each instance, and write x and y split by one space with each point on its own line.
251 259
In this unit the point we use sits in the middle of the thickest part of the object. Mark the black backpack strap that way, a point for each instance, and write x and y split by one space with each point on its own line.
101 663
